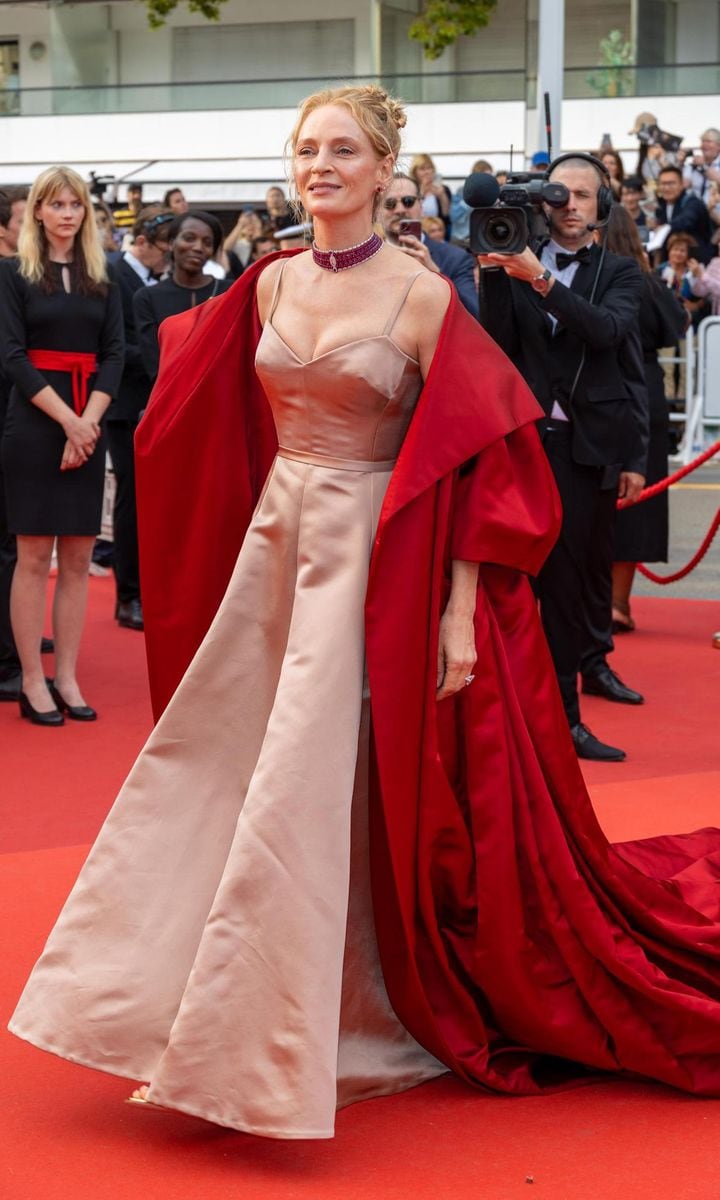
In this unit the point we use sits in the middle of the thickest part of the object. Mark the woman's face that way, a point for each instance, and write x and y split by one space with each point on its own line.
678 257
62 217
610 164
436 231
104 228
275 201
193 246
337 172
425 174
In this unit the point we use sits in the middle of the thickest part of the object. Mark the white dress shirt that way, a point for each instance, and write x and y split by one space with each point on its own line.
139 268
548 258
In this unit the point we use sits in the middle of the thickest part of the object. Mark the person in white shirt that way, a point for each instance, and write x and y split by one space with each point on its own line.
704 167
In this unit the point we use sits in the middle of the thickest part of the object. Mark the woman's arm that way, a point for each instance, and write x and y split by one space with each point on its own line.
424 314
30 383
456 645
110 356
265 287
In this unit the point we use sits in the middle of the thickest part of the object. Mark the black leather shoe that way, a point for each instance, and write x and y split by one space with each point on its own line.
76 712
604 682
129 614
51 717
11 687
47 646
588 746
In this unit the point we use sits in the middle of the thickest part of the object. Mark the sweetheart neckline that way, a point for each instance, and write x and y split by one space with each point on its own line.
307 362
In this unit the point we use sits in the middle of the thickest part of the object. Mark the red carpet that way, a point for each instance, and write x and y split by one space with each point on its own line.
65 1131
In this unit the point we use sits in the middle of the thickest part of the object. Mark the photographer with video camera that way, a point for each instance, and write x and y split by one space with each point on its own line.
566 313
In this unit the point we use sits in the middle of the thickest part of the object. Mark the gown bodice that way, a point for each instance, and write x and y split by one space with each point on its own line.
351 405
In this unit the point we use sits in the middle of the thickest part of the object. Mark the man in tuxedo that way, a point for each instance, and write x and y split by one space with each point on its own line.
683 212
401 202
135 269
566 314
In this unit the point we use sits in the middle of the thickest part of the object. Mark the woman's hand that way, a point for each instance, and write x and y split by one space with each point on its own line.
456 645
696 268
456 651
71 458
82 434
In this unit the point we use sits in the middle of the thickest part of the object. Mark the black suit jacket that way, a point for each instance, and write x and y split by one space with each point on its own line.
135 386
457 266
596 343
689 215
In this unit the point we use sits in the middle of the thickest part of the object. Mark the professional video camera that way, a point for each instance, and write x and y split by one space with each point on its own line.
98 184
505 219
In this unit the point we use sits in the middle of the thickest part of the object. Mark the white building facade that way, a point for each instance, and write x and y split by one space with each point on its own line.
209 105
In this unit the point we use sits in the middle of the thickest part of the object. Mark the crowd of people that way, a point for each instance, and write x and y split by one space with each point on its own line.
143 262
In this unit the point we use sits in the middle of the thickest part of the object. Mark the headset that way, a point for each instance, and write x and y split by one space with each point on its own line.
605 197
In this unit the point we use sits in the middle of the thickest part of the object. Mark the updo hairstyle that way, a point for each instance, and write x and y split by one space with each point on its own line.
378 114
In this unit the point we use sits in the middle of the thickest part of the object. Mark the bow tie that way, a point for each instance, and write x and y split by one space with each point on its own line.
564 260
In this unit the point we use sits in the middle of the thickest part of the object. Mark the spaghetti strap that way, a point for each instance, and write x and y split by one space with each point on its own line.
396 311
276 291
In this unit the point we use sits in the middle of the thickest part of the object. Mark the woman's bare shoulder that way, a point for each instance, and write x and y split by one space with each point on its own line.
269 276
431 294
427 304
266 285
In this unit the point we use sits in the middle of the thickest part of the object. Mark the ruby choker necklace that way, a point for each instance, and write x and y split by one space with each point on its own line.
342 260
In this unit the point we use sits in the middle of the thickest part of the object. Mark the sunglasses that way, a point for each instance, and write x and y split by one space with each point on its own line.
157 221
406 201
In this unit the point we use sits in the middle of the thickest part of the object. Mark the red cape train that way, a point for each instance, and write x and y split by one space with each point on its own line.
516 942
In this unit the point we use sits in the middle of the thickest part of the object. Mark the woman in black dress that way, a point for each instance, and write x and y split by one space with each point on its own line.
194 238
61 344
641 533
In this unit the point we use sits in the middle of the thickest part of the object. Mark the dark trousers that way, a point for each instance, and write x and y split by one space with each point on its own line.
125 552
575 585
9 661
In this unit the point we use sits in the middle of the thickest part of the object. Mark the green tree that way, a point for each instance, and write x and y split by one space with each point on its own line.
616 55
159 10
444 21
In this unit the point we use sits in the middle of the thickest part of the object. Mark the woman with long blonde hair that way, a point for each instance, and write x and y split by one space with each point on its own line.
61 343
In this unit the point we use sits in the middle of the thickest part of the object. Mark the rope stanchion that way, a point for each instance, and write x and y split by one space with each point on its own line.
654 490
690 566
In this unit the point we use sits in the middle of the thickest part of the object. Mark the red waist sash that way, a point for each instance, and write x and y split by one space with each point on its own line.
80 366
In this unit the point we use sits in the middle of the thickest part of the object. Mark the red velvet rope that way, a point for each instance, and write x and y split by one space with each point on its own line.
690 566
662 486
669 480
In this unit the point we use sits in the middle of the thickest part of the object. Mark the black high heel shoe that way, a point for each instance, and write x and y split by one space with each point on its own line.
76 712
51 717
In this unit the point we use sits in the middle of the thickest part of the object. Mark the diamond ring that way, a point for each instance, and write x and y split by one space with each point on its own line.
468 680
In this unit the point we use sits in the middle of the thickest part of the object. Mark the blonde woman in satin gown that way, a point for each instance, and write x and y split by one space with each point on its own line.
229 957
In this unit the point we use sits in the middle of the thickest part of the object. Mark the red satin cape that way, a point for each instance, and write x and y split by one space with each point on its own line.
517 945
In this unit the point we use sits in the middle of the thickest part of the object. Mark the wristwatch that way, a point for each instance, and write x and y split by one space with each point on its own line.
541 283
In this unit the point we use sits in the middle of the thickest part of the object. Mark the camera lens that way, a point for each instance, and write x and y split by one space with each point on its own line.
500 231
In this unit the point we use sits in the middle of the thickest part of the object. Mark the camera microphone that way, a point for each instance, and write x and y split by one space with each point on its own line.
480 190
597 225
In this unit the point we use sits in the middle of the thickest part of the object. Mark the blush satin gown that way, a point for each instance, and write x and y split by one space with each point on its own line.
220 939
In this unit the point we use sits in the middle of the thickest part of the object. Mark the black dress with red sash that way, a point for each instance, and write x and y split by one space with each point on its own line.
69 331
